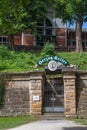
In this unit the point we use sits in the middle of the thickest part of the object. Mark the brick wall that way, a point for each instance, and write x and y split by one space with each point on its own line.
60 37
28 39
17 39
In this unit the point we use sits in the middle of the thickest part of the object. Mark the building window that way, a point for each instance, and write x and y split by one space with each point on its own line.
4 40
73 43
86 44
45 31
83 35
71 39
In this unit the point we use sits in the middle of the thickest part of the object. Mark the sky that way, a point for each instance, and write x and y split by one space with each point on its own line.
73 26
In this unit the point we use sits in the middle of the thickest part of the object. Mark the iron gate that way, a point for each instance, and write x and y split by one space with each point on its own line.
54 95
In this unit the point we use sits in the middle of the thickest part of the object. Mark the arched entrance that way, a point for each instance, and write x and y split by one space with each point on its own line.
53 95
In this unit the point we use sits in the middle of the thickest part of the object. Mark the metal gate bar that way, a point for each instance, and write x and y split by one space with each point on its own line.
54 96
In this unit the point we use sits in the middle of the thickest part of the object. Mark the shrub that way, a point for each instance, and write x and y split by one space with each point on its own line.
5 53
48 49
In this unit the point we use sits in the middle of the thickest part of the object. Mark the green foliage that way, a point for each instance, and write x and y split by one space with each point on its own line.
26 61
11 15
48 49
5 53
71 9
74 11
18 15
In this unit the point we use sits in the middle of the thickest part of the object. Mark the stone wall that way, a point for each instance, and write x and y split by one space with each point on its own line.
24 93
81 94
36 88
75 93
18 93
69 93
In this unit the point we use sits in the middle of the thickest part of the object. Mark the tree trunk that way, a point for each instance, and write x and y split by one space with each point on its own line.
79 22
11 41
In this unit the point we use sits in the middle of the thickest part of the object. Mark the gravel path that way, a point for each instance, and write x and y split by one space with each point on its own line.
51 125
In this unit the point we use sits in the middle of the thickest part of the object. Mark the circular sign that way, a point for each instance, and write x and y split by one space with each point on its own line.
52 65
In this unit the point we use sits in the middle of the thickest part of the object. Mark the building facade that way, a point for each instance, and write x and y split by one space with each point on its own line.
48 29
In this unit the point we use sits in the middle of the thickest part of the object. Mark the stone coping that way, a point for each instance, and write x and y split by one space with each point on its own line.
23 76
23 73
82 71
43 72
74 71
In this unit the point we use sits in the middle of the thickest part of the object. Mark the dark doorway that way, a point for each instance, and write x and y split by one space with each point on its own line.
53 95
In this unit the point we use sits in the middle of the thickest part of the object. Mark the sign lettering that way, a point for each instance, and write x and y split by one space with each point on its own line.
55 58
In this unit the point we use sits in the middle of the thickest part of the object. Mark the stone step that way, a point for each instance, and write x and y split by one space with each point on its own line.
53 116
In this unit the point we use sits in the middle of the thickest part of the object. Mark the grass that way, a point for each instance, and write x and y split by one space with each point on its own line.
11 122
12 61
81 121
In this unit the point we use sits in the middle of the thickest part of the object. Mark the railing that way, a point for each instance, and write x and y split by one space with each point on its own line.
39 48
28 48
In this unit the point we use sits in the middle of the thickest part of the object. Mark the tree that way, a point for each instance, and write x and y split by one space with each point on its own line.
18 15
73 10
36 10
11 15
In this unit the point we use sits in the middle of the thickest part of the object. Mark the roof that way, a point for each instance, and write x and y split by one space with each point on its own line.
59 23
